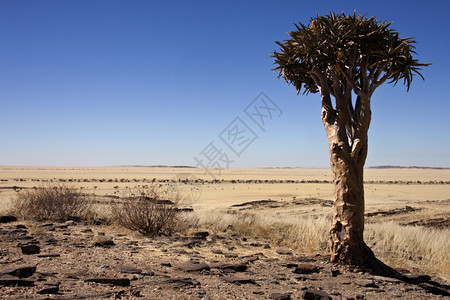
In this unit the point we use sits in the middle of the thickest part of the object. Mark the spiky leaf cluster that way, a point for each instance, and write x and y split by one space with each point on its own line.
349 50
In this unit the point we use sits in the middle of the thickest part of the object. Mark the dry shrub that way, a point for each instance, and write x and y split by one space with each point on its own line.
54 203
148 211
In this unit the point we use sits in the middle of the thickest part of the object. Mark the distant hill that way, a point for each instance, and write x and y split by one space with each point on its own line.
407 167
156 166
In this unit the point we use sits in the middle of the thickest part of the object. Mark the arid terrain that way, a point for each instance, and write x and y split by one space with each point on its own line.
251 234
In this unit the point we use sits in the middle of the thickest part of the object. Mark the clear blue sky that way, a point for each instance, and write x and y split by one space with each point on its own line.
92 83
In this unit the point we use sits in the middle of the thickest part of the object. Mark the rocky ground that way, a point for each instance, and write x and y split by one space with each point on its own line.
78 261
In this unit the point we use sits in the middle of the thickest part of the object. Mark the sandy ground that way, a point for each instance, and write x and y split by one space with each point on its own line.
384 187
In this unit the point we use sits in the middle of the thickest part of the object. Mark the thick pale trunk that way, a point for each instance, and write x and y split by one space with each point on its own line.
347 231
347 163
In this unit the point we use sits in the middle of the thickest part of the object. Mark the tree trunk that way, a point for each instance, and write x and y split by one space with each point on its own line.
347 231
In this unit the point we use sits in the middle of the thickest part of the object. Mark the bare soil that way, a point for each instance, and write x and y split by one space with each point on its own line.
81 261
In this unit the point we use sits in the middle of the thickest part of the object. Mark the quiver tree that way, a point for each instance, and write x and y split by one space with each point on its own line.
346 58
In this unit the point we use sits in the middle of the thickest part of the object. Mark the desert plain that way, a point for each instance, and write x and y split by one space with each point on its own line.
409 203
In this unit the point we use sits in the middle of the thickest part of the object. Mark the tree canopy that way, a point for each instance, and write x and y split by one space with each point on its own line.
350 50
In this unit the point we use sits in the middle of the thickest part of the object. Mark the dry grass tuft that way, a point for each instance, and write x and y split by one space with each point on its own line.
418 249
304 234
55 203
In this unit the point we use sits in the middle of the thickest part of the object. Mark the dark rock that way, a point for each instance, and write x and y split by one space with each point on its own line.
49 289
290 265
366 283
283 251
191 266
7 219
201 234
230 255
305 269
108 280
21 272
15 282
166 264
200 293
50 241
216 251
129 270
430 288
183 282
49 255
315 295
21 226
240 280
30 249
330 272
280 296
87 230
242 267
104 242
256 244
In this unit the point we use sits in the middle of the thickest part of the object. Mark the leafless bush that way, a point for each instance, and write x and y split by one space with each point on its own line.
147 211
55 203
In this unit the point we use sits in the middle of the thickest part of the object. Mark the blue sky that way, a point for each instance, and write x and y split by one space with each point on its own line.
93 83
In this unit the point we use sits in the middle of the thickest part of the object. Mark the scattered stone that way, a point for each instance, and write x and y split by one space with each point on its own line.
21 272
49 255
200 293
315 295
240 280
305 269
183 282
192 266
216 251
256 244
280 296
129 270
21 226
283 251
330 272
50 241
102 241
30 249
87 230
166 264
252 258
15 282
242 267
50 288
108 280
77 274
290 265
7 219
366 283
230 255
201 234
